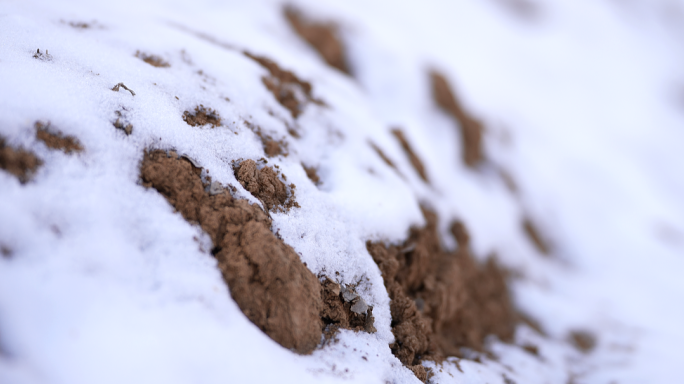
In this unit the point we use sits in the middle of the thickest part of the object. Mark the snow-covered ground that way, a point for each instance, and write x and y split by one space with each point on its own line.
583 103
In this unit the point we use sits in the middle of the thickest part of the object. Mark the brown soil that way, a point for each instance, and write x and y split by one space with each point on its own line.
471 127
535 237
202 116
122 123
272 147
415 161
152 60
56 140
291 92
21 163
271 285
5 252
382 155
322 37
265 185
582 340
312 174
442 301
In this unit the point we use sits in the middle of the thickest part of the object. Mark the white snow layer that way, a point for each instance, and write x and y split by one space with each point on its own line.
583 102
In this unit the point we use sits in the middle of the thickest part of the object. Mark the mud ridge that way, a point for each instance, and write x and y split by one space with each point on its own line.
56 140
19 162
415 160
291 92
471 127
323 37
442 303
267 280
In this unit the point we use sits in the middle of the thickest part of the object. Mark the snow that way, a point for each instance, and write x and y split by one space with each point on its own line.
107 283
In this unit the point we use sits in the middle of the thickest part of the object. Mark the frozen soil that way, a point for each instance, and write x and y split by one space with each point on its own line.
291 92
202 116
56 140
268 281
442 302
323 37
470 127
19 162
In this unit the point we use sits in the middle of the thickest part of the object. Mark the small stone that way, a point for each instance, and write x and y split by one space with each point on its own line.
348 294
215 188
359 307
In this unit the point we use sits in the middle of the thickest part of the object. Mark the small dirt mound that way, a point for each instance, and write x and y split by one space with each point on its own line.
265 184
291 92
153 60
471 127
202 116
267 280
56 140
21 163
441 301
322 37
415 161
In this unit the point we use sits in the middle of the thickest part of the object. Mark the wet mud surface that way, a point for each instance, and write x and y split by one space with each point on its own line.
323 37
267 280
19 162
442 302
471 127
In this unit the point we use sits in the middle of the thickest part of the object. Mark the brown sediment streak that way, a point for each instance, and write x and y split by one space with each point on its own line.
322 37
19 162
471 127
415 161
56 140
291 92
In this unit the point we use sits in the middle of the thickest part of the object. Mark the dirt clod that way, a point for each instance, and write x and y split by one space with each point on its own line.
202 116
265 185
415 161
471 127
153 60
584 341
267 279
323 37
462 301
56 140
291 92
19 162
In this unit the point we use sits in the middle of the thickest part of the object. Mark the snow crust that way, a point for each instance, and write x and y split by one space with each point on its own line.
583 106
